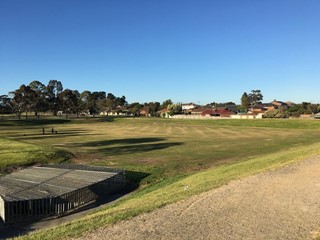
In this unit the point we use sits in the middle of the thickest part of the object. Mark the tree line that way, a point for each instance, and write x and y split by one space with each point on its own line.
255 97
37 97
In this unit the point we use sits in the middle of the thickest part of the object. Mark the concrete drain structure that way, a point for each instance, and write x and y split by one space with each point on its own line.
53 190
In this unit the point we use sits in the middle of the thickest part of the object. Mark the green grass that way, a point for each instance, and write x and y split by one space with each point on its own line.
172 191
165 148
202 154
18 154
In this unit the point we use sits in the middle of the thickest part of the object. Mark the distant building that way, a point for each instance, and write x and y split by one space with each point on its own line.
187 107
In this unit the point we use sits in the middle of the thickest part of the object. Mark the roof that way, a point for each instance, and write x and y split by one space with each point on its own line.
278 103
259 106
50 181
186 104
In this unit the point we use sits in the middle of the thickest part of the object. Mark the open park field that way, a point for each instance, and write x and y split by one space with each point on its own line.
173 154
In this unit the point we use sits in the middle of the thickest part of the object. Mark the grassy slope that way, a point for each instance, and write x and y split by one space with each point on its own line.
200 154
170 192
16 154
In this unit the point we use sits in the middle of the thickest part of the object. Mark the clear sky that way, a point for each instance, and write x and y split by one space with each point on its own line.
151 50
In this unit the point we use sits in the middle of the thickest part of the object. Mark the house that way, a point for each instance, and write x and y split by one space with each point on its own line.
268 106
210 112
259 108
279 105
144 112
187 107
199 111
118 111
290 104
229 107
223 113
163 113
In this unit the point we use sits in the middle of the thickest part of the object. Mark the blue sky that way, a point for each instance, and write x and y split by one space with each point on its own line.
148 50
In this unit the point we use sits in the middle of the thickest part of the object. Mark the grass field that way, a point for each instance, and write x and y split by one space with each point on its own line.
202 154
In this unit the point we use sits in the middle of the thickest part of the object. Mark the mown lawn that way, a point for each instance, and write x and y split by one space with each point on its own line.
165 148
197 153
15 154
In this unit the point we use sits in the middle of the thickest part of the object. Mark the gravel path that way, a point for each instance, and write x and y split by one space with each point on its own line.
281 204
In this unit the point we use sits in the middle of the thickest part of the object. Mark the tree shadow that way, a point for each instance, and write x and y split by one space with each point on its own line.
120 141
123 150
22 228
49 134
127 145
33 122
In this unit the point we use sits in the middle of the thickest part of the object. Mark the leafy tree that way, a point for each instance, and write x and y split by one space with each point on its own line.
166 103
39 102
23 100
85 101
97 97
174 109
69 101
120 101
5 104
93 102
153 107
110 102
313 108
255 97
88 102
134 108
54 87
245 101
230 104
276 113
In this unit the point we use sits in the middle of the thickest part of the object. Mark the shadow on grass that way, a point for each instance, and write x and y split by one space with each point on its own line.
33 122
48 134
120 141
128 145
122 150
22 228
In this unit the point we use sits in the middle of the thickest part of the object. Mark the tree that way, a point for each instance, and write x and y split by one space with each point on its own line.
85 100
5 104
245 101
22 100
276 113
96 99
39 102
120 101
174 109
134 108
110 102
153 107
255 97
69 101
92 101
54 87
166 103
313 108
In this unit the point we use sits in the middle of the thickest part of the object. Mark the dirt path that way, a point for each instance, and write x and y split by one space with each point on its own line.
281 204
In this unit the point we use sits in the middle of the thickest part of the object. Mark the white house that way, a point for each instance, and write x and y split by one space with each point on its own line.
188 106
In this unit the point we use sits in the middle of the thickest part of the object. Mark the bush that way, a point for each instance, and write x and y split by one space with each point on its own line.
275 114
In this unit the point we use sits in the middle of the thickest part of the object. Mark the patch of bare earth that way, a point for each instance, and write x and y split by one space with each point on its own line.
281 204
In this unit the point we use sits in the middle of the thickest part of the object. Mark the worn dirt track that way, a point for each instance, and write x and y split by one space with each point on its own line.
280 204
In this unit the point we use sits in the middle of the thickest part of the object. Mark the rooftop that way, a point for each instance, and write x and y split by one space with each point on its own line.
50 181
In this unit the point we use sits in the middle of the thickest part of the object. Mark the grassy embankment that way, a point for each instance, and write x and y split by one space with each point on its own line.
176 153
15 154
